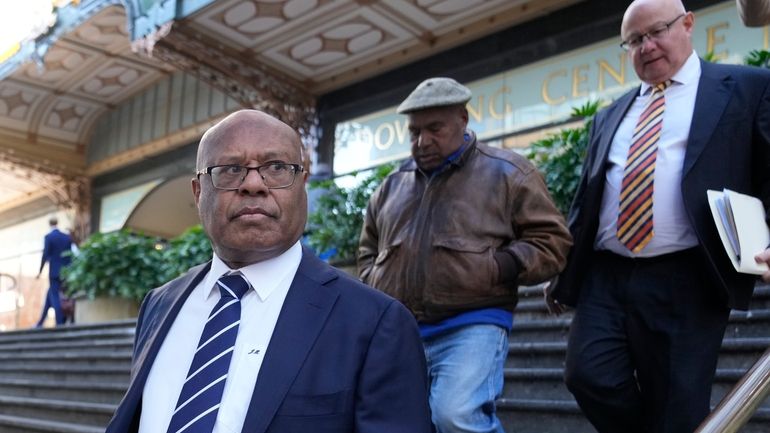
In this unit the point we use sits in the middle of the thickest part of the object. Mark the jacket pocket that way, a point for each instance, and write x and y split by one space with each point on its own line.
385 276
460 270
316 404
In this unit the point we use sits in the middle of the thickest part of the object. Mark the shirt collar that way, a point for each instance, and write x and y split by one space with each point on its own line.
262 276
687 74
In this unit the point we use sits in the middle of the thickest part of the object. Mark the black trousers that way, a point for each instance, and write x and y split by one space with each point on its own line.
644 342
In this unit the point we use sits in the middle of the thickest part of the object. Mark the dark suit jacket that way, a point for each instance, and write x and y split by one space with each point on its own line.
343 358
55 244
728 147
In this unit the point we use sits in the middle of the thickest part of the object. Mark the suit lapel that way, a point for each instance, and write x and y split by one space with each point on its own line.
302 318
156 324
613 122
714 90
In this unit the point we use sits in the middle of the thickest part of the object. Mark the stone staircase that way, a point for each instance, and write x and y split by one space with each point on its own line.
63 380
535 399
70 379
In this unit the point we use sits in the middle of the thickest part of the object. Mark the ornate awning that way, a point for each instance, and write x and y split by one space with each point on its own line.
275 55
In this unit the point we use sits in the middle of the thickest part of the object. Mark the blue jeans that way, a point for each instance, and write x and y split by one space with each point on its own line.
465 368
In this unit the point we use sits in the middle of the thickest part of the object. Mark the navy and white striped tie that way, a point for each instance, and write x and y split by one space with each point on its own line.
198 404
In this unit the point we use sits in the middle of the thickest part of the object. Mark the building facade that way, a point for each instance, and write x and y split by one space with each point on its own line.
102 106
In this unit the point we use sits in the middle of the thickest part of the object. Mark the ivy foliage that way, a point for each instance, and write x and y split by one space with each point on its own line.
560 156
185 251
336 222
126 264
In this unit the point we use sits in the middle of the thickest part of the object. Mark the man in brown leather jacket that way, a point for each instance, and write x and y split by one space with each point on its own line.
451 234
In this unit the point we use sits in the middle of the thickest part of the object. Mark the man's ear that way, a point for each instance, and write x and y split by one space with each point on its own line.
464 115
196 190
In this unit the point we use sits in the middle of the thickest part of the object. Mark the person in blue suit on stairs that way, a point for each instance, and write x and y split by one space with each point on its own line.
56 244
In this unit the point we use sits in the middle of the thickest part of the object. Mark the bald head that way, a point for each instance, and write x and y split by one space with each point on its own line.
244 122
659 38
668 7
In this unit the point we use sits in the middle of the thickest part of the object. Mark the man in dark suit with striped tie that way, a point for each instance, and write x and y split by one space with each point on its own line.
650 281
266 338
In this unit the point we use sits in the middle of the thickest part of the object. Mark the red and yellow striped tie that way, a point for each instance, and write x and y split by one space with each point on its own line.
635 216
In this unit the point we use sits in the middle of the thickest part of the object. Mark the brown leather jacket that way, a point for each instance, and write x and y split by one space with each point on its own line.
463 238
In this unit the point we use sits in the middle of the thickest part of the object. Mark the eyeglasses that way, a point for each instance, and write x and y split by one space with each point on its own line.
654 34
275 175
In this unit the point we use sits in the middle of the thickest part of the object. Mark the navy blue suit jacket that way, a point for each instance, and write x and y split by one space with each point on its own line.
728 147
343 358
55 244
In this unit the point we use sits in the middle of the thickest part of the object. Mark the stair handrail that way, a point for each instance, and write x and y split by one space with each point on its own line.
737 407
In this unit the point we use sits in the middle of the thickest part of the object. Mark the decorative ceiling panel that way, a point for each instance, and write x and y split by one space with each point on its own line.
438 16
115 80
66 119
330 43
18 103
337 43
250 23
55 100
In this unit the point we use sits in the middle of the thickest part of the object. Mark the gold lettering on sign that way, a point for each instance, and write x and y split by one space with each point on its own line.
493 103
547 98
401 131
579 77
390 134
618 76
476 112
713 39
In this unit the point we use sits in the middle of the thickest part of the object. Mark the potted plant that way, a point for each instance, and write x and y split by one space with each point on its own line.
113 272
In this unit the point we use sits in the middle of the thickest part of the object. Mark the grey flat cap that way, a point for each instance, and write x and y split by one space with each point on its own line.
435 92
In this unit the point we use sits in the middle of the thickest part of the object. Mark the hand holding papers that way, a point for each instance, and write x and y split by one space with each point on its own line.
740 221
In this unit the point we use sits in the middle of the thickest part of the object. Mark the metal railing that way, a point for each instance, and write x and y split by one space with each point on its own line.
735 410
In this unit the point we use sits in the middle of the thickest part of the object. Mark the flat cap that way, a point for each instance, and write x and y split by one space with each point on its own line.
435 92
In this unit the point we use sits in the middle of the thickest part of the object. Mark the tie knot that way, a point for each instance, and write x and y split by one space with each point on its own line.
660 87
233 286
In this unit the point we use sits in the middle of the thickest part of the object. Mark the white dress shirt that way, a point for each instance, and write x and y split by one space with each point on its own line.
672 229
260 308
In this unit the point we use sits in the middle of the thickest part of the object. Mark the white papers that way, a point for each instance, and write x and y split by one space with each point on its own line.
740 221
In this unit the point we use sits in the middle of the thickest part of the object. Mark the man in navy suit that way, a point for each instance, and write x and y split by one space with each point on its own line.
652 285
316 351
56 243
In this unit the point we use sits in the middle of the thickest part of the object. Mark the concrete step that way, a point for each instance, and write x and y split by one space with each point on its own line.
17 424
91 392
548 384
109 344
563 416
736 353
87 414
66 373
70 333
92 358
742 324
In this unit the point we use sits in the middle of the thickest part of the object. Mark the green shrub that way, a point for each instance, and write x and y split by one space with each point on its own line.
760 58
336 222
128 265
118 264
185 251
560 155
